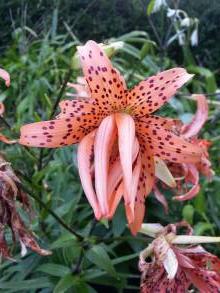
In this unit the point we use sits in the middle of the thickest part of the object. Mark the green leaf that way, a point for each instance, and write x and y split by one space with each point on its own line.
100 258
188 212
54 269
119 221
150 7
39 283
201 227
69 281
200 203
65 240
64 284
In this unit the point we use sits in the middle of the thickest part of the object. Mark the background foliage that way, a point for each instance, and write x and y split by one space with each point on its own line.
38 40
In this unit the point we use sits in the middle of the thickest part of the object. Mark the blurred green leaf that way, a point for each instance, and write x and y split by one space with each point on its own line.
188 212
99 257
54 269
150 7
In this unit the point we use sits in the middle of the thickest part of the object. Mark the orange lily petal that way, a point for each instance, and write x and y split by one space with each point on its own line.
167 145
149 95
2 109
192 177
145 185
134 186
115 170
85 151
139 212
4 139
115 199
104 141
4 74
126 138
105 83
76 108
56 133
199 118
168 123
161 198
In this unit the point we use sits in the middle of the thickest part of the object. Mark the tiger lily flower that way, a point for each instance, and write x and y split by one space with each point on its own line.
187 172
6 77
117 134
177 261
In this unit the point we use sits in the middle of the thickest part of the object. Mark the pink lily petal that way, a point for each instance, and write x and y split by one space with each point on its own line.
151 94
126 138
193 178
85 151
60 132
135 181
79 108
115 170
161 198
105 83
104 141
4 75
168 146
199 118
115 199
2 109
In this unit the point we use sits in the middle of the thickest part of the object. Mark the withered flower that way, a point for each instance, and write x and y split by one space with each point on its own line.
175 263
12 197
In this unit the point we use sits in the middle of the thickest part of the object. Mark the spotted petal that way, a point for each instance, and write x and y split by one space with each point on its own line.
168 146
149 95
105 83
56 133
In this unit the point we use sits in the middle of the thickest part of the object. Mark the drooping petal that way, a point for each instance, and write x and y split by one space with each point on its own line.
168 146
85 152
134 186
104 140
126 138
170 263
192 177
161 198
205 281
151 94
139 212
2 109
115 199
145 185
5 139
163 173
115 170
105 83
4 74
199 118
57 133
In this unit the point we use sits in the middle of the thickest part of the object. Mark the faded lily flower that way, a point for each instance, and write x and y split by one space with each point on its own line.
177 262
179 176
11 194
117 134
